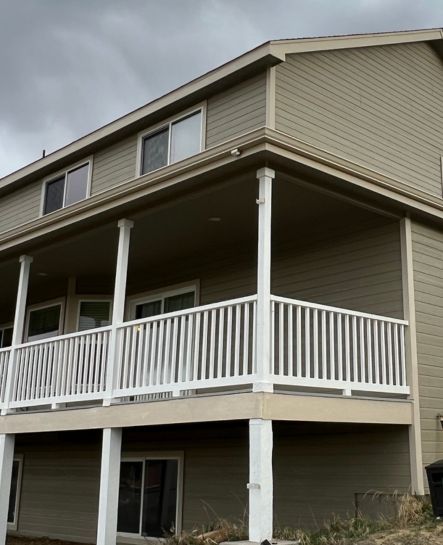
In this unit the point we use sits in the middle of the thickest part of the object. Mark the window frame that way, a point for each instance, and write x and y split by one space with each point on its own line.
39 306
92 299
14 525
157 455
64 172
2 329
162 293
166 124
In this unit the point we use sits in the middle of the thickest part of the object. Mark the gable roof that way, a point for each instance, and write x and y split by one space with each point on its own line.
267 54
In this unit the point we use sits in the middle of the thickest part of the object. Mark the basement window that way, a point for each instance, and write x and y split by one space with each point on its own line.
149 496
14 493
66 188
173 142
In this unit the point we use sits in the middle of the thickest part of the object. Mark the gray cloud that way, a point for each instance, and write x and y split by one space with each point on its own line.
69 66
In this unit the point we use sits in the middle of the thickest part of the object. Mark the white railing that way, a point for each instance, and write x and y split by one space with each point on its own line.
60 370
326 347
204 347
209 347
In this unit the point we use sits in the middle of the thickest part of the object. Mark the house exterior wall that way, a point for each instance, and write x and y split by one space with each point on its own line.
230 113
427 244
317 471
380 107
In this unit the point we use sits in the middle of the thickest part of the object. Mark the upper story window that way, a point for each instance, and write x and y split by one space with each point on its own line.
66 188
179 139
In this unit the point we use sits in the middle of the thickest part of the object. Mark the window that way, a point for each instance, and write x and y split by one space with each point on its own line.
5 336
148 503
177 140
14 493
67 188
94 314
44 322
170 300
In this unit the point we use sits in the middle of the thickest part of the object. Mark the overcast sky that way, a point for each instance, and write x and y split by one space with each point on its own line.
70 66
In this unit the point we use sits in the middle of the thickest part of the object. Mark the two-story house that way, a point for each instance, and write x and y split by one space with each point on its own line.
229 301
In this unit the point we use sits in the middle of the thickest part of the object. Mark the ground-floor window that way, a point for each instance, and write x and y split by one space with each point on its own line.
149 496
14 493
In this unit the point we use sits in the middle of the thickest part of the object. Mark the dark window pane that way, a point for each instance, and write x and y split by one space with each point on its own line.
179 302
155 151
146 310
94 314
54 195
13 491
129 499
76 184
44 322
186 137
160 498
6 337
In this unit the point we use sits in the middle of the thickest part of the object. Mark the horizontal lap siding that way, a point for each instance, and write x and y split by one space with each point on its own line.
240 109
20 206
358 270
316 476
60 486
381 107
114 165
316 473
428 281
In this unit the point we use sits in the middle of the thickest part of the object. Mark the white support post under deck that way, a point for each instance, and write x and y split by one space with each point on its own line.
109 486
19 323
261 495
265 177
6 462
118 309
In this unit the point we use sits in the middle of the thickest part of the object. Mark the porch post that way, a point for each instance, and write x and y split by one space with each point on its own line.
118 308
19 323
265 177
260 480
415 444
6 461
109 486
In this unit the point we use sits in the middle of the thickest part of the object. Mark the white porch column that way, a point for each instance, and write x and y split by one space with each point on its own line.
6 461
261 496
19 322
109 486
263 350
118 308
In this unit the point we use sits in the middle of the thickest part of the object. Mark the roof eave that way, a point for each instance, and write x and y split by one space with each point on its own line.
306 45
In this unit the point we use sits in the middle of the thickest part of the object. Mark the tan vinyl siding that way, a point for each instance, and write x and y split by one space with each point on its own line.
358 270
20 206
317 471
114 165
238 110
428 282
381 107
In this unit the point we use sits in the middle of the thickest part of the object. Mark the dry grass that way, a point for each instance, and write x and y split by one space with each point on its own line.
413 524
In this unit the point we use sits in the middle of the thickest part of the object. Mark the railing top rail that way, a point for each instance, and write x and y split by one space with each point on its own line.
5 349
306 304
186 312
66 336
